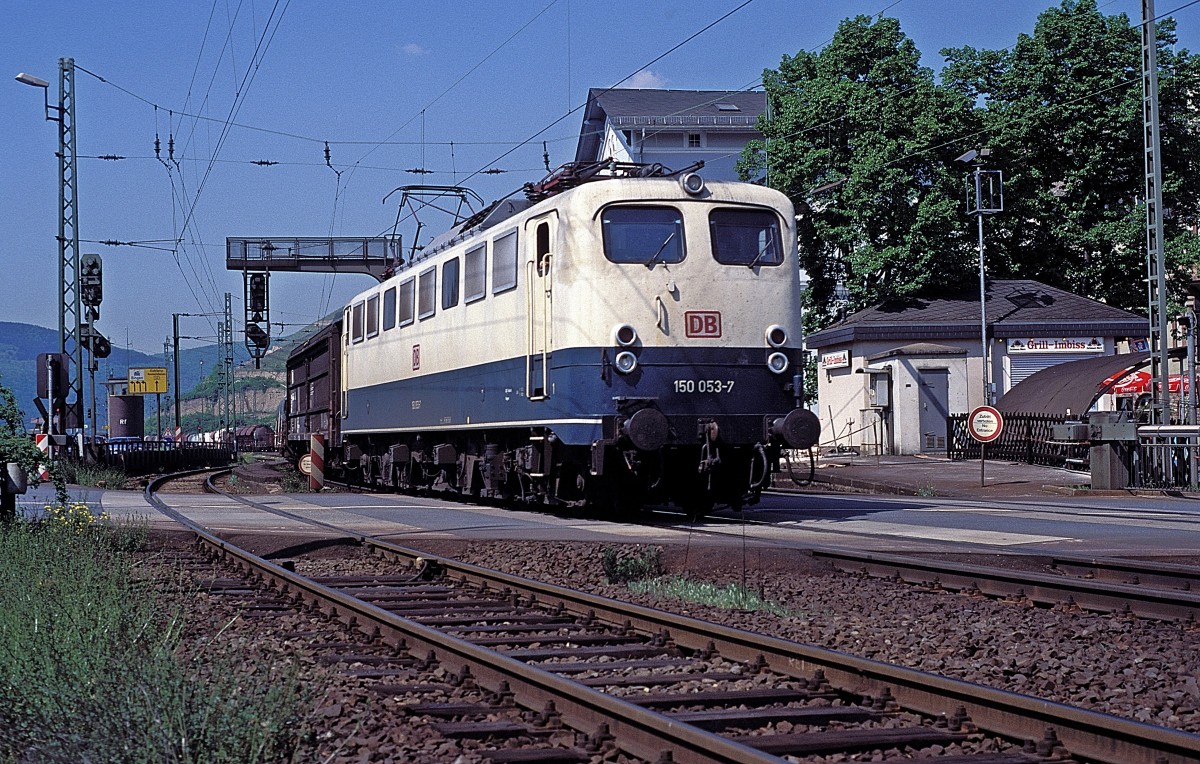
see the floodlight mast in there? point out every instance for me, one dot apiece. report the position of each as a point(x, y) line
point(70, 317)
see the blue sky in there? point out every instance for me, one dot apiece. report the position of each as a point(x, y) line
point(391, 85)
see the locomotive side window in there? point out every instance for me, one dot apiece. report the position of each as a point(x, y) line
point(356, 322)
point(543, 248)
point(408, 292)
point(373, 315)
point(389, 309)
point(450, 283)
point(504, 263)
point(745, 237)
point(643, 235)
point(427, 293)
point(475, 271)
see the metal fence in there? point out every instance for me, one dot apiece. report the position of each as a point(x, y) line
point(1165, 457)
point(1025, 438)
point(154, 456)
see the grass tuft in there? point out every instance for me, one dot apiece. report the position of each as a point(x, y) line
point(728, 596)
point(77, 473)
point(632, 566)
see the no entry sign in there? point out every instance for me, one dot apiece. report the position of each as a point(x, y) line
point(985, 424)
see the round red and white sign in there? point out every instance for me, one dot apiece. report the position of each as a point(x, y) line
point(985, 424)
point(305, 464)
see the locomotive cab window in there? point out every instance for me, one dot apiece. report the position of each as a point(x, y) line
point(389, 309)
point(450, 283)
point(427, 293)
point(408, 293)
point(475, 271)
point(745, 237)
point(643, 235)
point(373, 315)
point(356, 322)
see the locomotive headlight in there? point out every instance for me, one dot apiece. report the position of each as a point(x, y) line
point(776, 362)
point(624, 335)
point(625, 362)
point(777, 336)
point(692, 184)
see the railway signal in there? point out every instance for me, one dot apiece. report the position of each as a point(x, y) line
point(91, 285)
point(258, 309)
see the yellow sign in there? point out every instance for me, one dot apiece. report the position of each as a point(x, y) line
point(146, 381)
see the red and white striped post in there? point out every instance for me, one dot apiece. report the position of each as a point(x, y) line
point(43, 443)
point(316, 451)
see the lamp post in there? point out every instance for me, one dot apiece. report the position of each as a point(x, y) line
point(985, 196)
point(69, 315)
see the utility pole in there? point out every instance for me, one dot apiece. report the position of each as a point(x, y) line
point(69, 317)
point(985, 196)
point(1156, 269)
point(226, 361)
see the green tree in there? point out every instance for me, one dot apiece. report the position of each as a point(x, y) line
point(859, 118)
point(16, 446)
point(1062, 111)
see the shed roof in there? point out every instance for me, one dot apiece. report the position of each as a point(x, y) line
point(1015, 308)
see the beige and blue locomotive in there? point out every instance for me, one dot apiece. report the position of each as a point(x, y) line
point(619, 341)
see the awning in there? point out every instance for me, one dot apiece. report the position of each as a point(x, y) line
point(1069, 387)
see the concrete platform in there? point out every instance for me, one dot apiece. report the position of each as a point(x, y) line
point(932, 476)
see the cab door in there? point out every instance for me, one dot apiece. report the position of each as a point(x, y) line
point(540, 235)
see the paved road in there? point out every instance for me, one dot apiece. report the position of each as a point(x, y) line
point(1085, 525)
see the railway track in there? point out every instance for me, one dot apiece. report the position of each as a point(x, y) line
point(649, 682)
point(1142, 588)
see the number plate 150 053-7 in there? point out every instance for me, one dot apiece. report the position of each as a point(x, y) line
point(703, 385)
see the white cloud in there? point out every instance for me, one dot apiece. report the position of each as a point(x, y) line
point(413, 49)
point(645, 79)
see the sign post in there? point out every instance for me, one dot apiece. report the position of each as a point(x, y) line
point(985, 425)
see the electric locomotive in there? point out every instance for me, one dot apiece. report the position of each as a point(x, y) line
point(622, 336)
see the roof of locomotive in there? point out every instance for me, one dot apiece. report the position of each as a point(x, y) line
point(655, 186)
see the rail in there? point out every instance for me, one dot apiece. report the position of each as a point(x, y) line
point(1088, 735)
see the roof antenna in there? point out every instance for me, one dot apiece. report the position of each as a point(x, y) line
point(546, 156)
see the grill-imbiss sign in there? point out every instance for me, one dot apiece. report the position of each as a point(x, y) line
point(838, 360)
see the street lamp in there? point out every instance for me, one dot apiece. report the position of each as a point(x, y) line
point(985, 196)
point(70, 332)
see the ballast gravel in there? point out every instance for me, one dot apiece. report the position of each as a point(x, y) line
point(1135, 668)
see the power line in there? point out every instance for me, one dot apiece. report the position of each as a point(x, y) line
point(653, 61)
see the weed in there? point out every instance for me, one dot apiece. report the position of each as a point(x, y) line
point(729, 596)
point(927, 489)
point(622, 569)
point(78, 473)
point(81, 640)
point(293, 482)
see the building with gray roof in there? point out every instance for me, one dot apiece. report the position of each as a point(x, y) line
point(889, 375)
point(673, 127)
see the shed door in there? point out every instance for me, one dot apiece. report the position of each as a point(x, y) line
point(935, 407)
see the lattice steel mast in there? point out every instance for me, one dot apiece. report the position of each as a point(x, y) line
point(1156, 269)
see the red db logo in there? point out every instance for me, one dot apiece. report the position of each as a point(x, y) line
point(702, 323)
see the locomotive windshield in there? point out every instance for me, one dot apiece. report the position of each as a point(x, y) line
point(644, 235)
point(745, 237)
